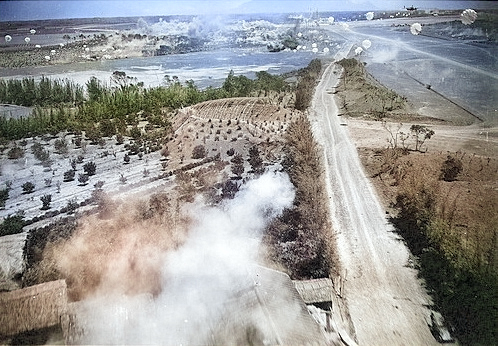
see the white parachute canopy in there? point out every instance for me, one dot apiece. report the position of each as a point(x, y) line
point(47, 57)
point(415, 28)
point(468, 16)
point(314, 45)
point(27, 39)
point(358, 50)
point(8, 38)
point(326, 50)
point(331, 20)
point(32, 31)
point(369, 15)
point(315, 50)
point(366, 44)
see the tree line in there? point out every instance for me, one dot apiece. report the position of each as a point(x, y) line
point(110, 108)
point(45, 92)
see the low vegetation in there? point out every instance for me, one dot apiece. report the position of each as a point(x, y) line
point(301, 238)
point(361, 95)
point(445, 209)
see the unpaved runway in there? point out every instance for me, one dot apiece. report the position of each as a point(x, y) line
point(385, 299)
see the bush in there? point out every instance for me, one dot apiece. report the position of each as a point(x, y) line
point(12, 224)
point(46, 199)
point(15, 153)
point(89, 168)
point(69, 175)
point(83, 179)
point(199, 152)
point(4, 196)
point(28, 187)
point(450, 169)
point(60, 146)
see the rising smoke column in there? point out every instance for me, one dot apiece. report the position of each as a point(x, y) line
point(198, 278)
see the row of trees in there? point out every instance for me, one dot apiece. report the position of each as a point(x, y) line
point(108, 110)
point(300, 239)
point(45, 92)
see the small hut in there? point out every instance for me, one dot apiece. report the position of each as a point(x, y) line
point(32, 308)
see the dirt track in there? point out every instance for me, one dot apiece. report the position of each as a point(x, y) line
point(386, 301)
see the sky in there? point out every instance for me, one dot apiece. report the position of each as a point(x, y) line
point(12, 10)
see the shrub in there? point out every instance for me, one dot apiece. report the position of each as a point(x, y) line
point(450, 169)
point(12, 224)
point(46, 199)
point(15, 153)
point(71, 206)
point(60, 146)
point(135, 132)
point(126, 159)
point(4, 195)
point(28, 187)
point(69, 175)
point(83, 179)
point(199, 152)
point(89, 168)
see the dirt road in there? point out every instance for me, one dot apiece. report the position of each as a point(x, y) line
point(386, 301)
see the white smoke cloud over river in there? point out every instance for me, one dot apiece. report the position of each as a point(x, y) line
point(197, 278)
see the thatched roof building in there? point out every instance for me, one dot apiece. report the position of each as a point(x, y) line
point(32, 308)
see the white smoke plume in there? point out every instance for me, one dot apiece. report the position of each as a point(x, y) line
point(198, 278)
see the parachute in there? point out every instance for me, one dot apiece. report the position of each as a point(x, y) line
point(8, 38)
point(32, 31)
point(27, 40)
point(358, 50)
point(366, 44)
point(468, 16)
point(326, 50)
point(415, 28)
point(369, 15)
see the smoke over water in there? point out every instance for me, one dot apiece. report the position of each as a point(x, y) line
point(197, 278)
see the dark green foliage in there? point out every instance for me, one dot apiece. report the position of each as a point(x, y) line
point(108, 111)
point(298, 239)
point(450, 169)
point(40, 153)
point(90, 168)
point(4, 196)
point(60, 146)
point(464, 290)
point(229, 189)
point(46, 199)
point(126, 159)
point(255, 160)
point(28, 187)
point(12, 224)
point(15, 153)
point(199, 152)
point(83, 179)
point(69, 175)
point(46, 92)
